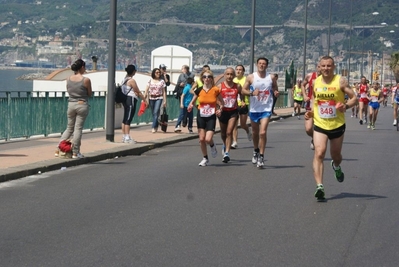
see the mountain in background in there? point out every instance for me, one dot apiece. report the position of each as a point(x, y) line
point(220, 44)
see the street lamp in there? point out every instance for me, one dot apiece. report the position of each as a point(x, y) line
point(251, 68)
point(305, 40)
point(364, 14)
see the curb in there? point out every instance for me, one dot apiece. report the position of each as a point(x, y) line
point(18, 172)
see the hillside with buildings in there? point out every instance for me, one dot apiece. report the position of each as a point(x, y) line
point(216, 31)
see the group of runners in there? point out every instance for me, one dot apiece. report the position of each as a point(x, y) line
point(326, 95)
point(370, 98)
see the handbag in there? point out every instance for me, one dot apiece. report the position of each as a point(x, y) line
point(163, 120)
point(143, 107)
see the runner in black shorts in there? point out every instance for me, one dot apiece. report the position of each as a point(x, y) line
point(229, 91)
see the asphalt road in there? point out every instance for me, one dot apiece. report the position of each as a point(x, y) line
point(161, 209)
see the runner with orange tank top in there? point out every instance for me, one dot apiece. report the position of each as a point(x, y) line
point(209, 106)
point(228, 119)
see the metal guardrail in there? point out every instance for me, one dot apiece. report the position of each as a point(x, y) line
point(27, 114)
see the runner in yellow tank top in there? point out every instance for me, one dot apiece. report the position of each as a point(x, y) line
point(329, 120)
point(375, 98)
point(243, 108)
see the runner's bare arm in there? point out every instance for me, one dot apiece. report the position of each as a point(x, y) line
point(248, 82)
point(352, 100)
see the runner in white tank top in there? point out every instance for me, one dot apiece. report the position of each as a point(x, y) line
point(260, 86)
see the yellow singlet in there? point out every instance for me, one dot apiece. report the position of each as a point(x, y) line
point(242, 82)
point(326, 116)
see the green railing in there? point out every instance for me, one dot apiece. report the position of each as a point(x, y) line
point(26, 114)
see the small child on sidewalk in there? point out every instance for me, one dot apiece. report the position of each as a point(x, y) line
point(185, 100)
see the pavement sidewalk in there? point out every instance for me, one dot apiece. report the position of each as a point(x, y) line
point(36, 155)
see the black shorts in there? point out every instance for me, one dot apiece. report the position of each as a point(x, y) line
point(207, 123)
point(243, 110)
point(299, 102)
point(227, 115)
point(331, 134)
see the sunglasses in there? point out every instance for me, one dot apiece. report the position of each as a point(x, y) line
point(207, 76)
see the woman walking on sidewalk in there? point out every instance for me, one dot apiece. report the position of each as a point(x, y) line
point(156, 94)
point(132, 91)
point(79, 90)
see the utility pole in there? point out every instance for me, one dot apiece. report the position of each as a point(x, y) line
point(110, 105)
point(305, 40)
point(251, 67)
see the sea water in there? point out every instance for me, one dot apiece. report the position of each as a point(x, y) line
point(10, 83)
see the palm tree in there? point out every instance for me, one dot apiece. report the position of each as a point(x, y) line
point(394, 65)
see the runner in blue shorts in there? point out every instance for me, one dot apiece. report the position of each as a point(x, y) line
point(260, 86)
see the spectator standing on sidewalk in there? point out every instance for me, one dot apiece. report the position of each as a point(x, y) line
point(79, 90)
point(185, 100)
point(133, 92)
point(274, 98)
point(156, 95)
point(164, 76)
point(181, 81)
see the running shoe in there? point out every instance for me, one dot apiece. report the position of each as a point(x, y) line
point(373, 127)
point(293, 114)
point(255, 157)
point(299, 117)
point(394, 122)
point(57, 153)
point(260, 162)
point(190, 131)
point(226, 157)
point(319, 194)
point(339, 175)
point(249, 134)
point(204, 162)
point(365, 120)
point(352, 116)
point(234, 145)
point(361, 122)
point(214, 152)
point(369, 126)
point(311, 145)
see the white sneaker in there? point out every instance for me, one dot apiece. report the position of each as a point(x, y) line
point(394, 122)
point(311, 145)
point(203, 162)
point(255, 157)
point(249, 134)
point(214, 151)
point(234, 145)
point(129, 140)
point(260, 162)
point(293, 114)
point(77, 156)
point(299, 117)
point(177, 129)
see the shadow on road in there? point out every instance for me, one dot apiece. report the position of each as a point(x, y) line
point(351, 195)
